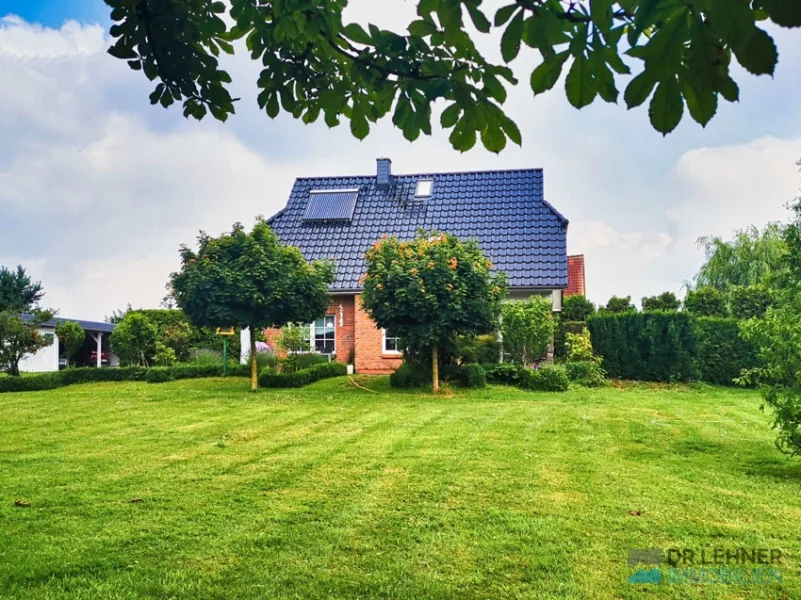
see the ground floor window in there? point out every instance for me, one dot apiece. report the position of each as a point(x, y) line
point(323, 334)
point(392, 343)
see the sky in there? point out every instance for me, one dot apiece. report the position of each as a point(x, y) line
point(98, 189)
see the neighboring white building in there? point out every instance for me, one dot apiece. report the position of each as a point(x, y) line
point(96, 350)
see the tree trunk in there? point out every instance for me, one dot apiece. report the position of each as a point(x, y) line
point(254, 373)
point(435, 367)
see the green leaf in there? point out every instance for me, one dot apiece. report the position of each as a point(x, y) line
point(463, 137)
point(601, 14)
point(359, 126)
point(422, 28)
point(121, 50)
point(639, 89)
point(493, 138)
point(667, 106)
point(510, 41)
point(732, 20)
point(729, 89)
point(356, 33)
point(494, 88)
point(759, 55)
point(450, 116)
point(580, 85)
point(511, 130)
point(786, 13)
point(545, 76)
point(273, 108)
point(504, 14)
point(479, 20)
point(702, 106)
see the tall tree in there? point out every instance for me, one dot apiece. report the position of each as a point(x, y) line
point(619, 304)
point(20, 318)
point(17, 291)
point(250, 280)
point(664, 301)
point(314, 63)
point(749, 258)
point(778, 337)
point(576, 308)
point(431, 288)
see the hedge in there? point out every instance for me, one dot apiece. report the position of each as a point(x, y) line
point(722, 353)
point(49, 381)
point(653, 346)
point(663, 346)
point(270, 379)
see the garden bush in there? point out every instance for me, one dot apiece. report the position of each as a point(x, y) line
point(653, 346)
point(562, 328)
point(159, 375)
point(548, 378)
point(408, 376)
point(587, 373)
point(466, 376)
point(33, 383)
point(269, 378)
point(505, 373)
point(295, 362)
point(722, 353)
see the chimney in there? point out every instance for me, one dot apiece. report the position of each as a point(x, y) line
point(383, 173)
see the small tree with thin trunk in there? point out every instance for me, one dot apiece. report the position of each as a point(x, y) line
point(70, 337)
point(134, 340)
point(430, 289)
point(250, 280)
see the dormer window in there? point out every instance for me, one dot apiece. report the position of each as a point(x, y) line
point(424, 188)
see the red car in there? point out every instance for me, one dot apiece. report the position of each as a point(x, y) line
point(104, 360)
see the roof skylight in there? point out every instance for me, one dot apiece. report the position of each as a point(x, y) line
point(424, 188)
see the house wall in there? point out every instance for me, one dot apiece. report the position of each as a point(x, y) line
point(46, 359)
point(370, 356)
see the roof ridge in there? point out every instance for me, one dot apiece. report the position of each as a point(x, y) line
point(478, 172)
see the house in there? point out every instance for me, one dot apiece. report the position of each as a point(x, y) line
point(94, 352)
point(340, 217)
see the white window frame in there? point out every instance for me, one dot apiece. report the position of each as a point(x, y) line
point(384, 344)
point(313, 335)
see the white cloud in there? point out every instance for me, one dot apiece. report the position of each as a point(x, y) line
point(22, 40)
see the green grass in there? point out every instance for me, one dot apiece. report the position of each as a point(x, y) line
point(335, 492)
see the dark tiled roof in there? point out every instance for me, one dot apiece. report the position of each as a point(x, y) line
point(87, 325)
point(505, 211)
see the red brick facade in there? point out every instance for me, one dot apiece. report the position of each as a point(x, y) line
point(354, 331)
point(576, 280)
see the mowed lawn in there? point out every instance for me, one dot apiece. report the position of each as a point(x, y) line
point(198, 489)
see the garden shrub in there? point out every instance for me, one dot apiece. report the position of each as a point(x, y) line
point(295, 362)
point(408, 376)
point(576, 308)
point(269, 378)
point(653, 346)
point(579, 347)
point(467, 376)
point(528, 328)
point(722, 353)
point(505, 373)
point(706, 302)
point(562, 328)
point(164, 356)
point(479, 349)
point(548, 378)
point(159, 375)
point(587, 373)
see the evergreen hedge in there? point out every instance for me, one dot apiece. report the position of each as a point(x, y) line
point(722, 353)
point(670, 346)
point(653, 346)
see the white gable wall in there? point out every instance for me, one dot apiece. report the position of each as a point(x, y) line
point(44, 360)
